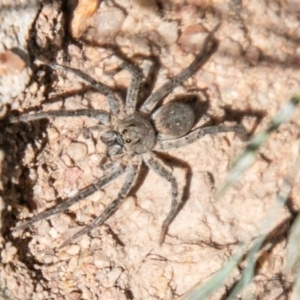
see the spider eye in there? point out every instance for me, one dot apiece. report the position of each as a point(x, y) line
point(125, 131)
point(128, 141)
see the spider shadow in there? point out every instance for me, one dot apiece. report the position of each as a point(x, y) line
point(144, 170)
point(148, 82)
point(172, 162)
point(17, 183)
point(62, 97)
point(147, 86)
point(237, 115)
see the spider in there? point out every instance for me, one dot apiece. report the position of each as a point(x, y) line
point(133, 137)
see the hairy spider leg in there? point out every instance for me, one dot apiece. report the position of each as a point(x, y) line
point(165, 145)
point(117, 170)
point(101, 115)
point(113, 102)
point(209, 47)
point(133, 90)
point(131, 175)
point(159, 168)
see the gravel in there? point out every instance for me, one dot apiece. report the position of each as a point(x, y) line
point(253, 73)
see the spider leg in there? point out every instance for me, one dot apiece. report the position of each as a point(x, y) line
point(116, 172)
point(132, 172)
point(101, 115)
point(158, 167)
point(209, 47)
point(113, 102)
point(133, 90)
point(198, 133)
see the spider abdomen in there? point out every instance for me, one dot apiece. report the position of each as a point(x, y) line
point(173, 120)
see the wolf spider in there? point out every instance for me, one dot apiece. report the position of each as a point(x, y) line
point(137, 135)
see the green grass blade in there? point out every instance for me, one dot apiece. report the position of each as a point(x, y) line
point(247, 157)
point(267, 225)
point(203, 290)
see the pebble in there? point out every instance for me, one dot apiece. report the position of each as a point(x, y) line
point(101, 261)
point(169, 31)
point(192, 38)
point(11, 63)
point(73, 249)
point(81, 15)
point(77, 151)
point(108, 24)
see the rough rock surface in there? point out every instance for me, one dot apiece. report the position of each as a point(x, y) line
point(253, 73)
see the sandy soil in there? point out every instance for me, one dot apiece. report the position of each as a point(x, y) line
point(253, 73)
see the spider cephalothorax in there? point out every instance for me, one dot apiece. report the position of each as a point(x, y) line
point(139, 134)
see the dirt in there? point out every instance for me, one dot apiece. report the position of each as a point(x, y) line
point(251, 76)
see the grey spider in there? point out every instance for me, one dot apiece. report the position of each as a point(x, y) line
point(137, 135)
